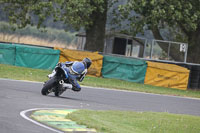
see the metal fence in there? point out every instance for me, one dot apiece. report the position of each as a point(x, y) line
point(165, 50)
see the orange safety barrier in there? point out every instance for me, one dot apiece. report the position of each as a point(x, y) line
point(76, 55)
point(167, 75)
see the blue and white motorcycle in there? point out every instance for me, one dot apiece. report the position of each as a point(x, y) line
point(65, 76)
point(58, 81)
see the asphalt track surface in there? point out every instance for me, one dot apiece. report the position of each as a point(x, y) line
point(17, 96)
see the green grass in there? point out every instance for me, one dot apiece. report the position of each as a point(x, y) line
point(136, 122)
point(21, 73)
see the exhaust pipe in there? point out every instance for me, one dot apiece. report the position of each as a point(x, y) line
point(65, 85)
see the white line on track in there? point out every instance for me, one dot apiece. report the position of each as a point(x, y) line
point(20, 80)
point(23, 114)
point(98, 88)
point(54, 105)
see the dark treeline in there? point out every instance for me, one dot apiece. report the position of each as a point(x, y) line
point(53, 31)
point(49, 22)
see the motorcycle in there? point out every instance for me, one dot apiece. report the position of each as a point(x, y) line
point(58, 81)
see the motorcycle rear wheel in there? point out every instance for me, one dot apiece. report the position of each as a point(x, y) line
point(48, 86)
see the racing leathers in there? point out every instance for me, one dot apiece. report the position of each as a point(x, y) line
point(74, 77)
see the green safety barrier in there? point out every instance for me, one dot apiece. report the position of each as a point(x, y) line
point(124, 68)
point(35, 57)
point(29, 56)
point(7, 54)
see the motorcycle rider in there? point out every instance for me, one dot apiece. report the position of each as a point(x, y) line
point(76, 71)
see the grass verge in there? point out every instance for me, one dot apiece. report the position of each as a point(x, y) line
point(21, 73)
point(136, 122)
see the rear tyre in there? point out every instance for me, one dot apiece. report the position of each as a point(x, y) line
point(48, 86)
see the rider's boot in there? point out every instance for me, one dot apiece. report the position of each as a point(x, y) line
point(52, 74)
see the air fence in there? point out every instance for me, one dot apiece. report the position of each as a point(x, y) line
point(124, 68)
point(28, 56)
point(169, 52)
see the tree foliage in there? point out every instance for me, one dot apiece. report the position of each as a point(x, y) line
point(179, 15)
point(76, 13)
point(23, 12)
point(185, 14)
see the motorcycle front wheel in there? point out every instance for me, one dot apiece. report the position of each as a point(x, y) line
point(49, 85)
point(57, 93)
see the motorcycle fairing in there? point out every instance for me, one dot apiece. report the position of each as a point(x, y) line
point(65, 70)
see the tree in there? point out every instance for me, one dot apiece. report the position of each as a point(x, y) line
point(179, 15)
point(88, 14)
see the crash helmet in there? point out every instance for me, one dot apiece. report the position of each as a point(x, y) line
point(77, 68)
point(87, 62)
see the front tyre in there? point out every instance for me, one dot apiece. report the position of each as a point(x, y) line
point(48, 86)
point(57, 93)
